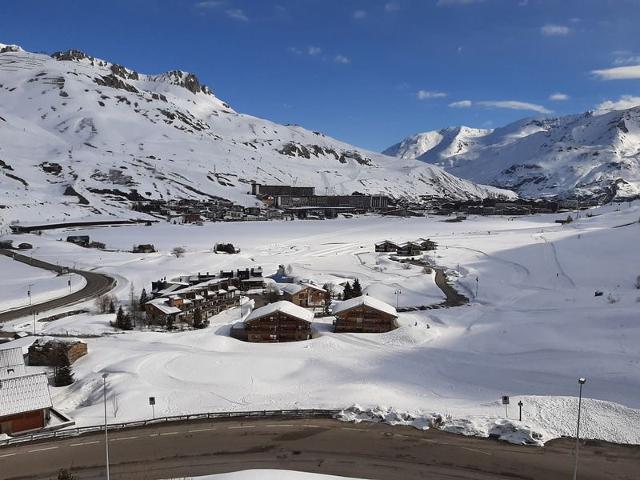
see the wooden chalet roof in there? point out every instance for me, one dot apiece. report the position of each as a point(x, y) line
point(367, 301)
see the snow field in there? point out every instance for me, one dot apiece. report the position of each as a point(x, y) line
point(533, 329)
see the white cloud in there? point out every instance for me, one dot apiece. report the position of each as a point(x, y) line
point(558, 97)
point(508, 104)
point(618, 73)
point(523, 3)
point(391, 7)
point(294, 50)
point(209, 4)
point(452, 3)
point(462, 104)
point(359, 14)
point(341, 59)
point(551, 30)
point(427, 94)
point(623, 103)
point(627, 60)
point(237, 14)
point(313, 51)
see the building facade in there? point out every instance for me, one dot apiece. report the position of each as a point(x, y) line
point(364, 315)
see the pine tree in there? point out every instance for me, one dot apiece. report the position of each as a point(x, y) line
point(126, 322)
point(112, 306)
point(63, 375)
point(119, 317)
point(143, 299)
point(357, 289)
point(348, 292)
point(198, 321)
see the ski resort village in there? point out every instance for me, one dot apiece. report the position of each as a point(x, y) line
point(192, 292)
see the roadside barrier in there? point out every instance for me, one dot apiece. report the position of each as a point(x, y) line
point(76, 432)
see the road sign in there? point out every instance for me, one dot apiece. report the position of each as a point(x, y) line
point(505, 400)
point(152, 401)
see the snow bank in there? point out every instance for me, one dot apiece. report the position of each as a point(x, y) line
point(269, 475)
point(548, 418)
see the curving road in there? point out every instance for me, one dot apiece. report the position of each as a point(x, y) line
point(97, 284)
point(368, 450)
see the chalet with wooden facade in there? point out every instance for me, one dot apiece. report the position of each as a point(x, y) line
point(276, 322)
point(409, 249)
point(52, 352)
point(386, 246)
point(364, 314)
point(179, 304)
point(305, 295)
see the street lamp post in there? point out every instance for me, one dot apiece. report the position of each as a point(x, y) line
point(398, 293)
point(29, 292)
point(106, 435)
point(581, 382)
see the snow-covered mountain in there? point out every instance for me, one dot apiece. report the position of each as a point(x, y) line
point(80, 136)
point(596, 154)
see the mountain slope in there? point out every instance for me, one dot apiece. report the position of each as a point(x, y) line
point(105, 135)
point(593, 155)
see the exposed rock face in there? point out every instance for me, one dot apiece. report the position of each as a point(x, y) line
point(115, 82)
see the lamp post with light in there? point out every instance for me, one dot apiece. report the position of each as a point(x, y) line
point(106, 435)
point(581, 382)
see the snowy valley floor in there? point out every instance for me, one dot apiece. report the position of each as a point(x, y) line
point(534, 327)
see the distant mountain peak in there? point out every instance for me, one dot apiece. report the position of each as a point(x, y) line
point(593, 154)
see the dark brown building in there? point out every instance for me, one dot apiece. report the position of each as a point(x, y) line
point(386, 246)
point(364, 315)
point(49, 352)
point(278, 322)
point(304, 295)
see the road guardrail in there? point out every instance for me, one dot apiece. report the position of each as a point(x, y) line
point(78, 431)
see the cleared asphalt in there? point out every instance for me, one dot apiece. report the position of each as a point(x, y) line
point(372, 451)
point(97, 284)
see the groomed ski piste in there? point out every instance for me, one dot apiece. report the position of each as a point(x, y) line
point(532, 327)
point(268, 475)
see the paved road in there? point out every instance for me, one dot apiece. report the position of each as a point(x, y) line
point(372, 451)
point(97, 284)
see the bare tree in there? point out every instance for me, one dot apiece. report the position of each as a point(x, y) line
point(178, 252)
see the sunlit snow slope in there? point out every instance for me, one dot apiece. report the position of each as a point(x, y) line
point(595, 155)
point(107, 135)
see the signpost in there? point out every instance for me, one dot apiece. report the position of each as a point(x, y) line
point(520, 405)
point(152, 402)
point(505, 402)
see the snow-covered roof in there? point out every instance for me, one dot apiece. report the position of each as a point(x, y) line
point(161, 304)
point(365, 300)
point(11, 357)
point(24, 394)
point(293, 288)
point(11, 362)
point(283, 306)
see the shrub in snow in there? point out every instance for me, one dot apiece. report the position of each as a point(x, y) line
point(178, 252)
point(65, 474)
point(611, 298)
point(638, 282)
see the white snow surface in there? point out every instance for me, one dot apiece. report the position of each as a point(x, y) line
point(270, 475)
point(534, 327)
point(365, 300)
point(588, 155)
point(107, 131)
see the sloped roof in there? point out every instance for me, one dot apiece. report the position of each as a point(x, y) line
point(282, 306)
point(24, 394)
point(293, 288)
point(365, 300)
point(11, 357)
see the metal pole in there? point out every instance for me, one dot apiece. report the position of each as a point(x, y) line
point(581, 381)
point(106, 436)
point(520, 405)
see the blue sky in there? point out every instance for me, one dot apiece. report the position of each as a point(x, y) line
point(365, 71)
